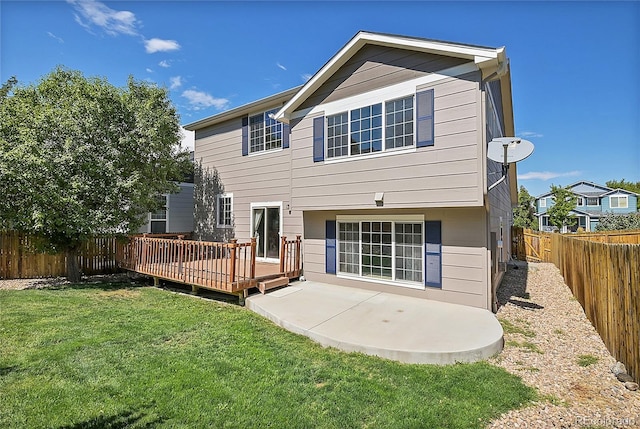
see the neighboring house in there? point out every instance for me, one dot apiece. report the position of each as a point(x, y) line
point(593, 201)
point(175, 215)
point(379, 162)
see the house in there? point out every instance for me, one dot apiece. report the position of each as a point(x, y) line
point(379, 163)
point(175, 214)
point(593, 201)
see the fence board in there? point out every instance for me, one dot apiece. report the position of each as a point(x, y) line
point(18, 260)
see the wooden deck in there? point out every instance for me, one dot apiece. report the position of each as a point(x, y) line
point(223, 267)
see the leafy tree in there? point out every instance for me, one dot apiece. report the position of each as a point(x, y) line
point(618, 221)
point(563, 202)
point(80, 157)
point(524, 213)
point(628, 186)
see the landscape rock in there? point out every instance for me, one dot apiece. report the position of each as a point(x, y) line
point(618, 368)
point(631, 386)
point(624, 377)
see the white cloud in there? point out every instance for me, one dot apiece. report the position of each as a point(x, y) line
point(164, 63)
point(53, 36)
point(547, 175)
point(149, 70)
point(199, 100)
point(281, 66)
point(305, 77)
point(113, 22)
point(175, 82)
point(160, 45)
point(529, 134)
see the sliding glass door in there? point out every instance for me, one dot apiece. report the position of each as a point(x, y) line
point(265, 224)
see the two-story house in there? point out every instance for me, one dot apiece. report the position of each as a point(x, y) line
point(592, 202)
point(379, 163)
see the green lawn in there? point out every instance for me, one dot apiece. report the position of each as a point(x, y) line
point(115, 356)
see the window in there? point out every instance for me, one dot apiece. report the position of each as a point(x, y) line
point(224, 211)
point(265, 133)
point(580, 201)
point(593, 201)
point(159, 217)
point(399, 123)
point(361, 130)
point(543, 202)
point(618, 201)
point(382, 250)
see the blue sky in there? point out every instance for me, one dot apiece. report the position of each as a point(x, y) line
point(575, 65)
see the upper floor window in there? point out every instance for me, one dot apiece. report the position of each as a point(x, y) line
point(618, 201)
point(580, 201)
point(367, 128)
point(265, 133)
point(593, 201)
point(543, 202)
point(224, 210)
point(159, 217)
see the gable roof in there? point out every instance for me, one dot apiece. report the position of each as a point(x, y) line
point(483, 57)
point(604, 190)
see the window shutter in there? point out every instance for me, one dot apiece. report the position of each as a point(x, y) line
point(330, 247)
point(285, 136)
point(245, 136)
point(433, 253)
point(318, 140)
point(424, 116)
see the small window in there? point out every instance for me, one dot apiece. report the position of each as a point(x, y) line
point(366, 129)
point(224, 210)
point(265, 133)
point(618, 201)
point(159, 217)
point(593, 201)
point(399, 123)
point(337, 135)
point(543, 202)
point(580, 201)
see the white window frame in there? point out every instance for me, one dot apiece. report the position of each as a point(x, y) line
point(618, 198)
point(543, 202)
point(265, 117)
point(381, 218)
point(384, 150)
point(166, 215)
point(218, 211)
point(266, 205)
point(579, 201)
point(593, 198)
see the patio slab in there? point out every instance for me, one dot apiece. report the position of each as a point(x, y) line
point(410, 330)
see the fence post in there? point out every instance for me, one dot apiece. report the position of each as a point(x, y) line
point(283, 250)
point(298, 242)
point(232, 268)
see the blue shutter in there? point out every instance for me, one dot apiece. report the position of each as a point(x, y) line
point(245, 136)
point(285, 136)
point(318, 139)
point(330, 247)
point(433, 253)
point(424, 116)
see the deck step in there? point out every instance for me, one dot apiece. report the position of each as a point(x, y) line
point(265, 285)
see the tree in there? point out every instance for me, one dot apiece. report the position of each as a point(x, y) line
point(628, 186)
point(524, 213)
point(564, 201)
point(618, 221)
point(80, 157)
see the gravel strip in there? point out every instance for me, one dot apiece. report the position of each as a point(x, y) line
point(546, 334)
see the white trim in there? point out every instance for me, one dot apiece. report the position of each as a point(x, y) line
point(396, 283)
point(580, 201)
point(382, 218)
point(542, 202)
point(392, 92)
point(625, 197)
point(265, 205)
point(225, 195)
point(395, 151)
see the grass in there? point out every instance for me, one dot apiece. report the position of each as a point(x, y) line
point(111, 356)
point(527, 345)
point(511, 328)
point(586, 360)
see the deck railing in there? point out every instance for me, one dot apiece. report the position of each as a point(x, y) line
point(228, 267)
point(290, 263)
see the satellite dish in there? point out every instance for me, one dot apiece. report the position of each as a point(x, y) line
point(509, 149)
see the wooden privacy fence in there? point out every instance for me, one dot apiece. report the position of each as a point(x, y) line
point(604, 276)
point(18, 260)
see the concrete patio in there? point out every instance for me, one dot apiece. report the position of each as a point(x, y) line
point(405, 329)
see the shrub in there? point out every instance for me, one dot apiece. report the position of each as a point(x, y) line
point(616, 221)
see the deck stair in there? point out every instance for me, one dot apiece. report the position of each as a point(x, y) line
point(265, 285)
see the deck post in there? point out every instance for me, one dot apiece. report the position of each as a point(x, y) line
point(298, 264)
point(253, 258)
point(232, 267)
point(180, 255)
point(283, 250)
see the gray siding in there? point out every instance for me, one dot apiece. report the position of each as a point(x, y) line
point(448, 174)
point(464, 255)
point(180, 213)
point(261, 177)
point(375, 67)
